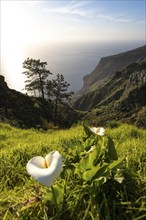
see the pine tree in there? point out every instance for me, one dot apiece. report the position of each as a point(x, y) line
point(56, 90)
point(37, 75)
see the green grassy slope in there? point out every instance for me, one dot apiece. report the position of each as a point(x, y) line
point(21, 197)
point(123, 98)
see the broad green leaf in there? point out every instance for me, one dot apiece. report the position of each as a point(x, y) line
point(97, 172)
point(105, 169)
point(116, 164)
point(88, 143)
point(87, 130)
point(59, 193)
point(112, 154)
point(94, 173)
point(88, 161)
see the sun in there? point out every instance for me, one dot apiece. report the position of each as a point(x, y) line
point(15, 37)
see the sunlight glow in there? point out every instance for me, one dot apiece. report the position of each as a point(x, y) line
point(16, 35)
point(27, 26)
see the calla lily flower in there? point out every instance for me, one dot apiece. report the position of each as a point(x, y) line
point(45, 170)
point(99, 130)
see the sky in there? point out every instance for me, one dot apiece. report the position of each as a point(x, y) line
point(30, 24)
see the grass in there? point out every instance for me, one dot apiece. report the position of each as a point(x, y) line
point(131, 143)
point(23, 198)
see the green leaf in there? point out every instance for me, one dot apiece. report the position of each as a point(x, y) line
point(80, 148)
point(87, 162)
point(97, 172)
point(94, 173)
point(87, 130)
point(112, 154)
point(59, 193)
point(88, 143)
point(116, 164)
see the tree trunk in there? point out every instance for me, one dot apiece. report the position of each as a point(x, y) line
point(55, 112)
point(41, 84)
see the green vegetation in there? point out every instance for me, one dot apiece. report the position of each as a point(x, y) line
point(54, 91)
point(106, 183)
point(26, 111)
point(121, 98)
point(36, 75)
point(50, 101)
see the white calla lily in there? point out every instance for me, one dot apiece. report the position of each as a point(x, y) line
point(98, 130)
point(45, 170)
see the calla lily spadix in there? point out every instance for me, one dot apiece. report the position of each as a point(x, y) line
point(99, 130)
point(45, 170)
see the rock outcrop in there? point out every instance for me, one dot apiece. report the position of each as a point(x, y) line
point(137, 78)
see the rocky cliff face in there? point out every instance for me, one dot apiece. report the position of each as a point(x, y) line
point(137, 78)
point(109, 65)
point(121, 98)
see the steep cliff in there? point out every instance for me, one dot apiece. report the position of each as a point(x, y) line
point(121, 98)
point(109, 65)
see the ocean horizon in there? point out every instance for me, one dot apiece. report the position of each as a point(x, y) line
point(73, 61)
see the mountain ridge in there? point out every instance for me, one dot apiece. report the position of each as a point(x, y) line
point(121, 97)
point(107, 67)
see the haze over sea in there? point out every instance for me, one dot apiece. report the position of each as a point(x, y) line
point(71, 36)
point(76, 60)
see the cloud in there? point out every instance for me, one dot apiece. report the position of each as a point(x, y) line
point(33, 3)
point(113, 19)
point(73, 8)
point(66, 10)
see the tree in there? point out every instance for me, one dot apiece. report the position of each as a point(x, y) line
point(56, 90)
point(37, 74)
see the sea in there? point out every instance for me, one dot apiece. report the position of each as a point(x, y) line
point(75, 60)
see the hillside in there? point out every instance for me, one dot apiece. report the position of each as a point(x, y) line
point(121, 98)
point(108, 66)
point(26, 111)
point(21, 110)
point(119, 189)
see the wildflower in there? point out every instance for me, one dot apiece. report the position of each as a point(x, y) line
point(99, 130)
point(45, 170)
